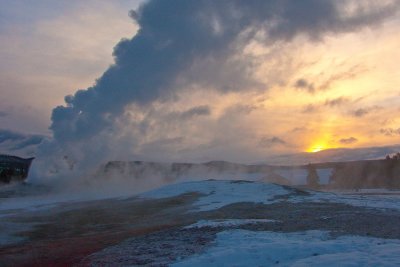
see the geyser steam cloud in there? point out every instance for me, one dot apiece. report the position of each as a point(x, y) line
point(173, 37)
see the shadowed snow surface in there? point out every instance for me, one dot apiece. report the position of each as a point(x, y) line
point(217, 194)
point(311, 248)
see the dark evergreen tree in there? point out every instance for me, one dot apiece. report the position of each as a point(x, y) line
point(312, 177)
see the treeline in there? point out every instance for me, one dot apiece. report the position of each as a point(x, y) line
point(367, 174)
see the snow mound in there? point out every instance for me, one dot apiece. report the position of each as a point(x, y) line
point(216, 194)
point(247, 248)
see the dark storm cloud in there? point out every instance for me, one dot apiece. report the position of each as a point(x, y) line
point(310, 108)
point(351, 73)
point(361, 112)
point(239, 109)
point(272, 141)
point(329, 103)
point(313, 87)
point(174, 37)
point(299, 129)
point(19, 140)
point(196, 111)
point(28, 141)
point(303, 84)
point(390, 131)
point(348, 141)
point(336, 101)
point(7, 135)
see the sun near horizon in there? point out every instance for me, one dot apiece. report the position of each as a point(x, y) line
point(317, 147)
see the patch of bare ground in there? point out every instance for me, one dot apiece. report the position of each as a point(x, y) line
point(155, 249)
point(165, 247)
point(66, 234)
point(340, 219)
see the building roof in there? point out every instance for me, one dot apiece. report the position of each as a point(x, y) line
point(14, 159)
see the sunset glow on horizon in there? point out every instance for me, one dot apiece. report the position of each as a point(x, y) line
point(316, 149)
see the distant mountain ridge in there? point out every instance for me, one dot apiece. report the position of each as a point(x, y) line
point(25, 145)
point(334, 155)
point(21, 144)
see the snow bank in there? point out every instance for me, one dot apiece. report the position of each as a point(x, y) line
point(217, 194)
point(311, 248)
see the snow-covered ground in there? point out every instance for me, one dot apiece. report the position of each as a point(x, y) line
point(239, 235)
point(216, 194)
point(380, 201)
point(226, 223)
point(310, 248)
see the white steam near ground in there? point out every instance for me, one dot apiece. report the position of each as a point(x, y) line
point(172, 93)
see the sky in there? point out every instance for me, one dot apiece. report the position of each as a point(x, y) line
point(203, 80)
